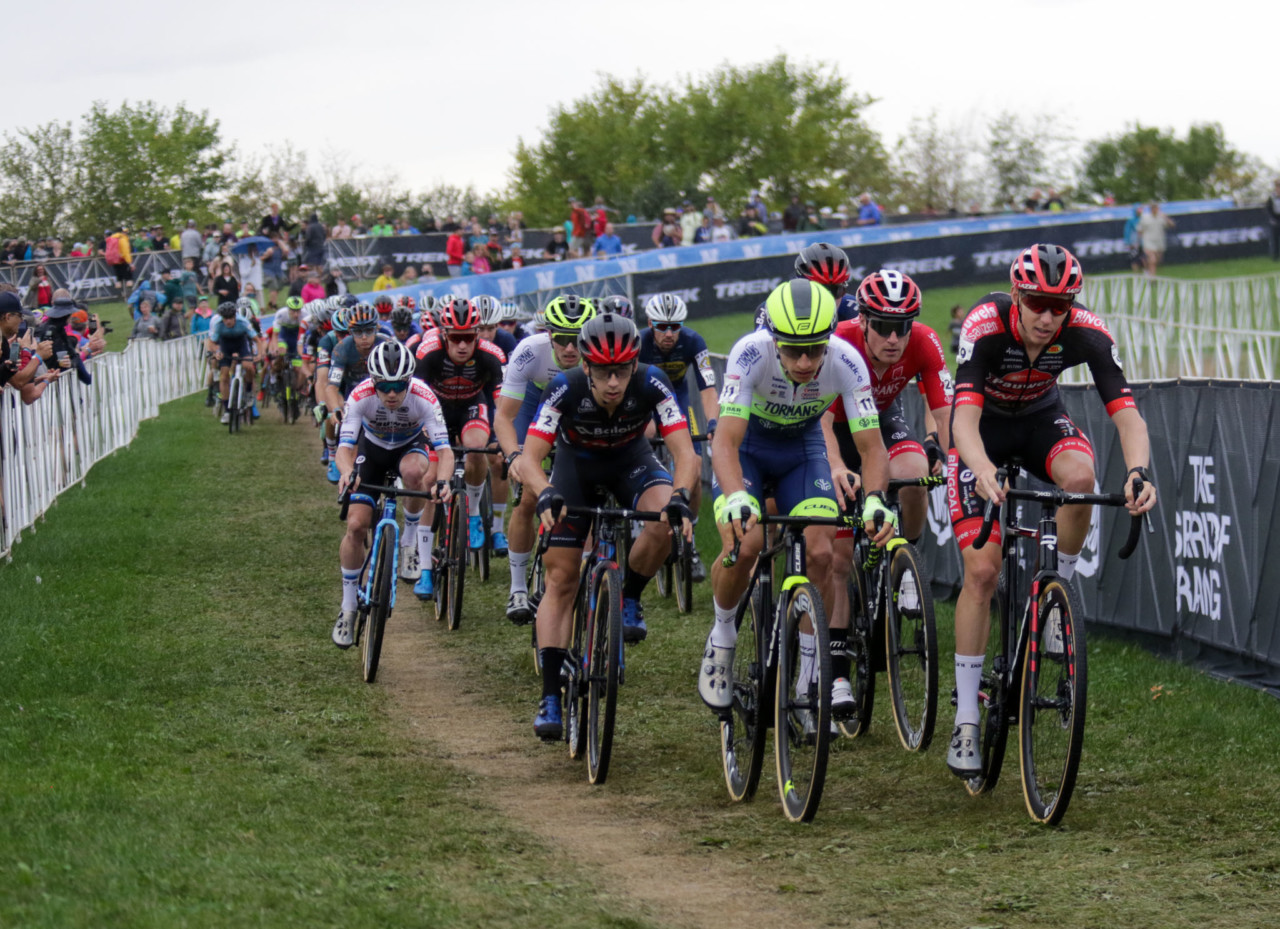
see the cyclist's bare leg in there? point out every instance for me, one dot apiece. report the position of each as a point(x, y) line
point(555, 612)
point(728, 584)
point(417, 472)
point(1073, 472)
point(351, 549)
point(911, 466)
point(841, 568)
point(224, 381)
point(249, 371)
point(652, 546)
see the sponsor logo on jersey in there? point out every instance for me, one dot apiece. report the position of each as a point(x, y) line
point(748, 357)
point(1054, 349)
point(822, 484)
point(795, 411)
point(1115, 355)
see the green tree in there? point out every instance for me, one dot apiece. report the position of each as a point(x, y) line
point(1022, 157)
point(1146, 163)
point(280, 175)
point(39, 177)
point(932, 167)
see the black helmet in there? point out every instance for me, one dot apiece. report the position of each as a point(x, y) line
point(402, 318)
point(619, 304)
point(227, 309)
point(608, 340)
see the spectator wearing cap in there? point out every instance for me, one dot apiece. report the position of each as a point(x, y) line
point(608, 245)
point(382, 227)
point(12, 372)
point(580, 229)
point(869, 212)
point(358, 227)
point(66, 355)
point(668, 232)
point(690, 220)
point(600, 217)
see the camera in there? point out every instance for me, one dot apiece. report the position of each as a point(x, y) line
point(63, 345)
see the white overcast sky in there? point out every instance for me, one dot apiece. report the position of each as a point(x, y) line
point(439, 92)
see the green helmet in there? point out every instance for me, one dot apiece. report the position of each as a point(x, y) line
point(293, 303)
point(567, 314)
point(801, 312)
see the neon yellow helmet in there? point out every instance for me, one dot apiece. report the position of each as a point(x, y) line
point(801, 312)
point(567, 314)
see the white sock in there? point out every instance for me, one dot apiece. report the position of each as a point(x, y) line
point(426, 541)
point(499, 511)
point(350, 586)
point(808, 671)
point(968, 680)
point(473, 499)
point(410, 536)
point(724, 632)
point(1067, 565)
point(519, 563)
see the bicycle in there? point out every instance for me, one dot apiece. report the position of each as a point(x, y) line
point(676, 574)
point(767, 666)
point(451, 551)
point(892, 629)
point(377, 592)
point(235, 406)
point(595, 667)
point(1037, 655)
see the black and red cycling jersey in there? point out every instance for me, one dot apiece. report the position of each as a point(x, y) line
point(571, 412)
point(922, 359)
point(480, 376)
point(996, 374)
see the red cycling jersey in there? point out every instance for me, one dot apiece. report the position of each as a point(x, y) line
point(921, 359)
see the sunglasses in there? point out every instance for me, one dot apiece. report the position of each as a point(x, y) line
point(565, 341)
point(391, 387)
point(1038, 303)
point(461, 338)
point(888, 327)
point(796, 352)
point(603, 374)
point(668, 327)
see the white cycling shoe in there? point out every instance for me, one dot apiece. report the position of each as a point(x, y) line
point(964, 756)
point(715, 676)
point(344, 630)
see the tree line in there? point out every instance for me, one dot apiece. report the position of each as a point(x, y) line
point(781, 128)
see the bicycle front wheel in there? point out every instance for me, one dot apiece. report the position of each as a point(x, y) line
point(486, 517)
point(573, 679)
point(456, 559)
point(803, 703)
point(911, 649)
point(995, 703)
point(743, 729)
point(234, 402)
point(384, 578)
point(683, 576)
point(1054, 685)
point(665, 578)
point(604, 661)
point(862, 669)
point(442, 525)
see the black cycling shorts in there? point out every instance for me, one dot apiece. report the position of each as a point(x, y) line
point(582, 478)
point(378, 465)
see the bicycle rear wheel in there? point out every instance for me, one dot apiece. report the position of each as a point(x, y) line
point(862, 671)
point(665, 578)
point(911, 650)
point(234, 401)
point(744, 727)
point(1052, 710)
point(604, 660)
point(683, 575)
point(442, 524)
point(573, 677)
point(456, 560)
point(384, 578)
point(803, 704)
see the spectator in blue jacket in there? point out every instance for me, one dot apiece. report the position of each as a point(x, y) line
point(869, 213)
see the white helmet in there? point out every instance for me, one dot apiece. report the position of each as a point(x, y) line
point(510, 311)
point(489, 308)
point(391, 361)
point(665, 308)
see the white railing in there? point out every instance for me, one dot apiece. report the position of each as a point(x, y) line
point(51, 444)
point(1166, 328)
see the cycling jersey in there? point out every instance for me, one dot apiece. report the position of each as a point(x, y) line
point(419, 413)
point(758, 390)
point(220, 330)
point(690, 351)
point(995, 372)
point(477, 377)
point(505, 341)
point(347, 367)
point(284, 331)
point(571, 412)
point(324, 346)
point(922, 359)
point(528, 371)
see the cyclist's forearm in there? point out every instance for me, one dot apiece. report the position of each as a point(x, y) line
point(710, 404)
point(1134, 442)
point(535, 450)
point(724, 460)
point(875, 459)
point(967, 439)
point(941, 426)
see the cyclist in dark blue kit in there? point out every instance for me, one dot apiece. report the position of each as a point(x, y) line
point(668, 344)
point(230, 335)
point(596, 415)
point(491, 314)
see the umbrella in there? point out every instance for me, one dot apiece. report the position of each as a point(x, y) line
point(263, 243)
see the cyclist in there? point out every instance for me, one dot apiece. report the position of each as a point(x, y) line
point(778, 383)
point(403, 327)
point(490, 315)
point(511, 323)
point(596, 416)
point(618, 304)
point(1013, 347)
point(325, 344)
point(829, 266)
point(384, 305)
point(392, 425)
point(230, 335)
point(675, 348)
point(283, 341)
point(347, 366)
point(537, 360)
point(490, 323)
point(247, 309)
point(465, 372)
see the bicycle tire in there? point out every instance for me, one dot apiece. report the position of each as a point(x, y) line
point(456, 562)
point(683, 570)
point(993, 706)
point(665, 578)
point(486, 518)
point(574, 704)
point(384, 578)
point(744, 729)
point(440, 560)
point(861, 643)
point(911, 650)
point(1052, 704)
point(234, 397)
point(802, 723)
point(604, 662)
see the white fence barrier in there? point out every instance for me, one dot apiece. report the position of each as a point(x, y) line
point(51, 444)
point(1227, 329)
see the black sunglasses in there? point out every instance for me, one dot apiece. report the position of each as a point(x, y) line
point(668, 327)
point(564, 341)
point(888, 327)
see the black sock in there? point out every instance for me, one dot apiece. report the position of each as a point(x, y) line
point(634, 585)
point(916, 540)
point(552, 663)
point(838, 649)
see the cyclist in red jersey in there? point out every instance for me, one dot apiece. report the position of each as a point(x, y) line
point(1013, 347)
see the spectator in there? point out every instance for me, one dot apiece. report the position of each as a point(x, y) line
point(201, 320)
point(226, 288)
point(298, 276)
point(761, 208)
point(40, 290)
point(65, 343)
point(212, 248)
point(174, 317)
point(273, 273)
point(608, 245)
point(334, 283)
point(668, 232)
point(244, 231)
point(146, 326)
point(869, 212)
point(690, 220)
point(189, 280)
point(1134, 241)
point(410, 276)
point(1273, 216)
point(382, 227)
point(273, 224)
point(11, 372)
point(450, 224)
point(313, 242)
point(454, 246)
point(557, 249)
point(341, 230)
point(812, 218)
point(493, 250)
point(480, 261)
point(403, 227)
point(1032, 203)
point(251, 269)
point(312, 289)
point(517, 257)
point(750, 224)
point(386, 280)
point(357, 227)
point(1054, 203)
point(793, 215)
point(228, 234)
point(477, 237)
point(515, 227)
point(712, 208)
point(191, 242)
point(427, 275)
point(468, 257)
point(600, 217)
point(119, 256)
point(720, 230)
point(702, 234)
point(1152, 231)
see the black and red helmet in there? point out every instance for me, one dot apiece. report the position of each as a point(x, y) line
point(456, 313)
point(383, 304)
point(1047, 269)
point(609, 339)
point(889, 294)
point(824, 264)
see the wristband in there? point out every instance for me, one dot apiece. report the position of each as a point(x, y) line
point(1140, 471)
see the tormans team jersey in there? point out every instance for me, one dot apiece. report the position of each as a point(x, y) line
point(756, 388)
point(455, 383)
point(690, 351)
point(570, 411)
point(922, 359)
point(995, 372)
point(418, 413)
point(532, 365)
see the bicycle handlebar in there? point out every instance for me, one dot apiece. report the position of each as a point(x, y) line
point(345, 499)
point(765, 519)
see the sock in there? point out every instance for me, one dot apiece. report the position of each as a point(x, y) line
point(331, 443)
point(724, 632)
point(838, 648)
point(968, 680)
point(1067, 565)
point(473, 499)
point(499, 511)
point(410, 536)
point(426, 541)
point(519, 564)
point(552, 662)
point(350, 584)
point(808, 652)
point(634, 585)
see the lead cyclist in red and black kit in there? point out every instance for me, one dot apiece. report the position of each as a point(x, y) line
point(1013, 347)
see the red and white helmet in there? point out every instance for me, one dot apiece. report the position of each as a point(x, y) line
point(889, 294)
